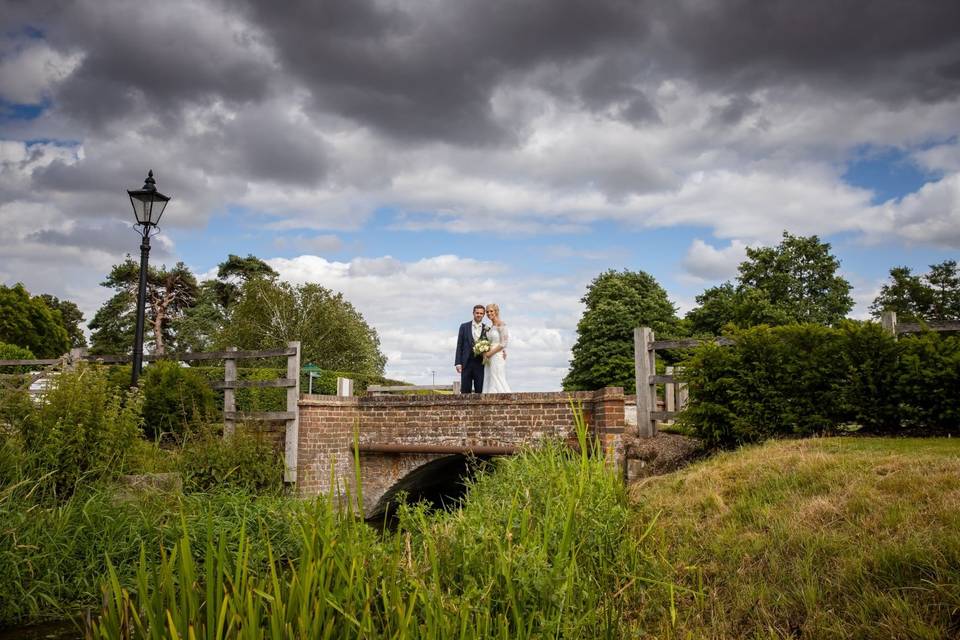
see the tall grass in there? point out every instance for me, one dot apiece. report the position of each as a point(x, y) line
point(53, 553)
point(541, 548)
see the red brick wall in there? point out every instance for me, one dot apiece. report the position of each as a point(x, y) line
point(327, 425)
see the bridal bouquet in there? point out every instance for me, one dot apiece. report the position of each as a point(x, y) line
point(481, 347)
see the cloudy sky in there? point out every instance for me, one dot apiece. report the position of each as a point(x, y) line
point(425, 155)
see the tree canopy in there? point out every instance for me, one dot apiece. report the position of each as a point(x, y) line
point(332, 333)
point(71, 316)
point(794, 282)
point(170, 292)
point(932, 297)
point(616, 302)
point(29, 323)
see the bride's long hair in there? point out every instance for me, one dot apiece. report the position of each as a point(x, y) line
point(495, 308)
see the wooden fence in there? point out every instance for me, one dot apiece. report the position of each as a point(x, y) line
point(230, 384)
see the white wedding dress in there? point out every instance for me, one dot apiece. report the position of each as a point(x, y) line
point(495, 370)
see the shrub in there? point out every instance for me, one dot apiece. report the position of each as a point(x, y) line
point(80, 428)
point(175, 400)
point(802, 380)
point(243, 461)
point(928, 381)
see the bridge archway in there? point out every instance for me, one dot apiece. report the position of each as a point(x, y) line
point(440, 482)
point(403, 440)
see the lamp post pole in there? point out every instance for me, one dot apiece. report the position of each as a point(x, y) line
point(141, 307)
point(148, 205)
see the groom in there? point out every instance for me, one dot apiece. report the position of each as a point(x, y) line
point(469, 366)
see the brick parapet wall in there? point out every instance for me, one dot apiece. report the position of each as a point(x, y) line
point(327, 425)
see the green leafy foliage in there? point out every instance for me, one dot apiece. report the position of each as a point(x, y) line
point(932, 297)
point(794, 282)
point(170, 292)
point(244, 461)
point(29, 323)
point(332, 333)
point(617, 302)
point(80, 430)
point(802, 380)
point(928, 379)
point(176, 400)
point(515, 562)
point(71, 317)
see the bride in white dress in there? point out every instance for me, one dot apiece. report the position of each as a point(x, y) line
point(494, 362)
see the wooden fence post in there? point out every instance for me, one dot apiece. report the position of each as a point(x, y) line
point(670, 393)
point(76, 355)
point(888, 320)
point(293, 405)
point(683, 396)
point(229, 395)
point(344, 387)
point(644, 366)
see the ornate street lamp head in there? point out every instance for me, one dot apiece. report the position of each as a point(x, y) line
point(148, 203)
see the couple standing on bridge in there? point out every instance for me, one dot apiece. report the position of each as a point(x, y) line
point(481, 357)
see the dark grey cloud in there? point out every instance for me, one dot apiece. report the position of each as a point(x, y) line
point(428, 70)
point(889, 50)
point(153, 60)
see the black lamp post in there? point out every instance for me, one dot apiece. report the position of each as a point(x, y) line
point(148, 205)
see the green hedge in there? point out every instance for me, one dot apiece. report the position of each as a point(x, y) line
point(803, 380)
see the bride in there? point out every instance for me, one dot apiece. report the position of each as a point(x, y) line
point(494, 363)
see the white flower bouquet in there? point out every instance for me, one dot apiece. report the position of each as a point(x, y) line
point(481, 347)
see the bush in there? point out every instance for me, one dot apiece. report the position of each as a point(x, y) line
point(243, 461)
point(928, 381)
point(803, 380)
point(80, 428)
point(176, 400)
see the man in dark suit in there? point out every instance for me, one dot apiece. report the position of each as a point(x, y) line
point(470, 366)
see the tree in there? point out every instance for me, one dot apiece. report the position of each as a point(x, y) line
point(794, 282)
point(616, 302)
point(197, 328)
point(933, 297)
point(28, 322)
point(332, 333)
point(170, 292)
point(233, 272)
point(72, 318)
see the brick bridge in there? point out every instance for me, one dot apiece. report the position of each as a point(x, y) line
point(406, 442)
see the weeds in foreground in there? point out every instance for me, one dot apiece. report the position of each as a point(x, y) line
point(541, 547)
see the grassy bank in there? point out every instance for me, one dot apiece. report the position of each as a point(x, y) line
point(827, 538)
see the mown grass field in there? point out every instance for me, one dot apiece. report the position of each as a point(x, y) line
point(822, 538)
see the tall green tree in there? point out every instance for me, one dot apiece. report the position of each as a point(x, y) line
point(794, 282)
point(72, 318)
point(199, 325)
point(616, 303)
point(332, 333)
point(170, 292)
point(233, 272)
point(932, 297)
point(28, 322)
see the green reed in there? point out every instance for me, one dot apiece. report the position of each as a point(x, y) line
point(540, 548)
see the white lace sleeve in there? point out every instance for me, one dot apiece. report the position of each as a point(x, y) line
point(504, 335)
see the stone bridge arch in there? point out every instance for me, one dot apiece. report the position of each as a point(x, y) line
point(397, 435)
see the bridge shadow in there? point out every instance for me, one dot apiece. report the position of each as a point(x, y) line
point(441, 483)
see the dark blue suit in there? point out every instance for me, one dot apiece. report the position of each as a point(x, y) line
point(471, 374)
